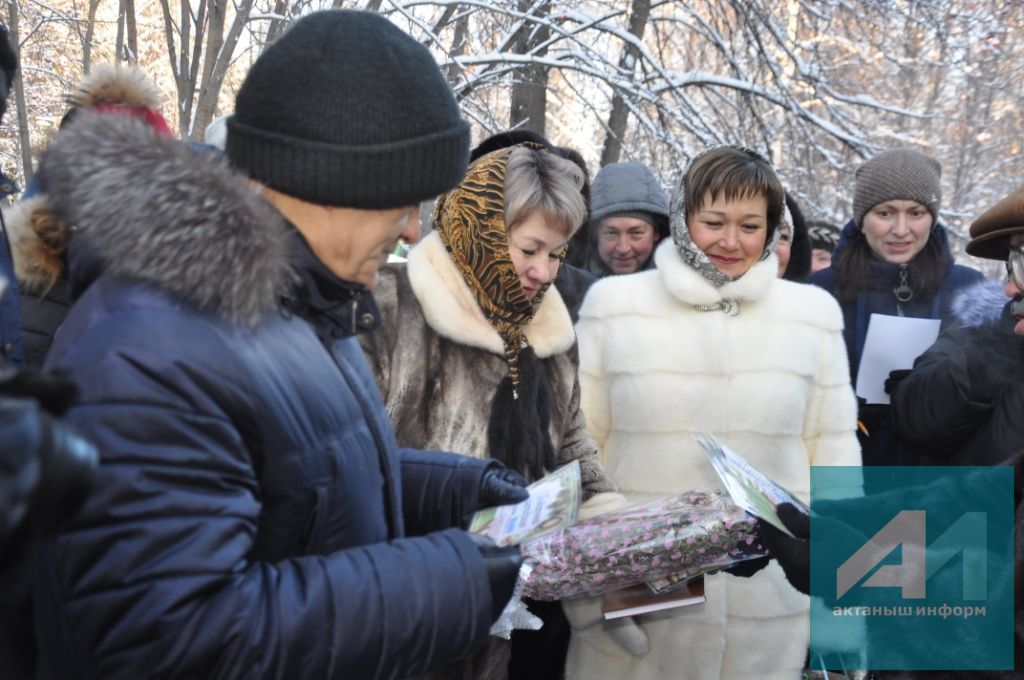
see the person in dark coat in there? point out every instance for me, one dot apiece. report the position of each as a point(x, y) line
point(893, 258)
point(252, 515)
point(794, 247)
point(962, 403)
point(823, 237)
point(628, 219)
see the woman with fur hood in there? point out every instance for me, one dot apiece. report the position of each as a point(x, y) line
point(476, 352)
point(712, 341)
point(38, 238)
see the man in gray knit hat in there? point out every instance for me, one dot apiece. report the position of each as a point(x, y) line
point(628, 218)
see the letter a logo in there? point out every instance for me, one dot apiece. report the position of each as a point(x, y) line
point(906, 530)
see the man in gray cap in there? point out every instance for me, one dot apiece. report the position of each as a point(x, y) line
point(253, 517)
point(628, 218)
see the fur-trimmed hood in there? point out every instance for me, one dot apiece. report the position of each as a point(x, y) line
point(147, 207)
point(450, 310)
point(979, 304)
point(35, 265)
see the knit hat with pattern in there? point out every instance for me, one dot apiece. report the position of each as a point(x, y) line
point(347, 110)
point(899, 174)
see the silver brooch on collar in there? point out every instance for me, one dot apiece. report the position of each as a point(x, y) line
point(730, 307)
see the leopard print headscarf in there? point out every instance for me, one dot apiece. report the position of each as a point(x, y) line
point(470, 220)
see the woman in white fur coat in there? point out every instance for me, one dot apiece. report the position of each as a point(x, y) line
point(711, 341)
point(476, 352)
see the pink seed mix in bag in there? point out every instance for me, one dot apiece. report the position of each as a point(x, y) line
point(688, 533)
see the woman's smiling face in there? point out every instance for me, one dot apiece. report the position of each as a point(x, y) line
point(731, 233)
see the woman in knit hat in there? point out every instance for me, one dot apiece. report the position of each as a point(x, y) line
point(628, 218)
point(893, 258)
point(711, 340)
point(476, 352)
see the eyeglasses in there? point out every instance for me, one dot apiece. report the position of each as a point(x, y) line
point(1015, 265)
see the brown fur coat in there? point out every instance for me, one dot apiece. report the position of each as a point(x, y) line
point(438, 363)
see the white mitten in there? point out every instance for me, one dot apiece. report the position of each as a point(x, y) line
point(586, 612)
point(630, 636)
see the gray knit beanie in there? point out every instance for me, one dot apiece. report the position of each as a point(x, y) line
point(627, 189)
point(899, 174)
point(347, 110)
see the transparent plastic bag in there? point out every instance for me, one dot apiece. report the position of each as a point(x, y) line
point(689, 533)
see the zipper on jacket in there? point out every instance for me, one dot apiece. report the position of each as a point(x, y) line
point(902, 290)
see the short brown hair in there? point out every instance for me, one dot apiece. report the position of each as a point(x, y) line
point(537, 181)
point(734, 172)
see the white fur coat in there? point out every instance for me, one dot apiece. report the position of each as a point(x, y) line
point(772, 382)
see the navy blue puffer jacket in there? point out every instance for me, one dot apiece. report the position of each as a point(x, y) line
point(879, 298)
point(248, 518)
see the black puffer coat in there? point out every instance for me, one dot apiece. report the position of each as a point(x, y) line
point(251, 511)
point(963, 404)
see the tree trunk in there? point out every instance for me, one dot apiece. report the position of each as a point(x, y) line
point(619, 114)
point(132, 31)
point(459, 41)
point(530, 83)
point(218, 62)
point(127, 42)
point(90, 30)
point(24, 136)
point(277, 26)
point(122, 13)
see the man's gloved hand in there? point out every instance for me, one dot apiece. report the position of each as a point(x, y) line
point(45, 470)
point(894, 379)
point(53, 390)
point(792, 554)
point(501, 486)
point(502, 571)
point(748, 568)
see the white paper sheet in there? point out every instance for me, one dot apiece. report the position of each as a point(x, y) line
point(892, 343)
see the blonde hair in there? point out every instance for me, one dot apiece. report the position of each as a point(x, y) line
point(537, 181)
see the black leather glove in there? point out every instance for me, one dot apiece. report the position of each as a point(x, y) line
point(872, 417)
point(53, 390)
point(748, 568)
point(502, 564)
point(894, 379)
point(792, 554)
point(45, 470)
point(501, 486)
